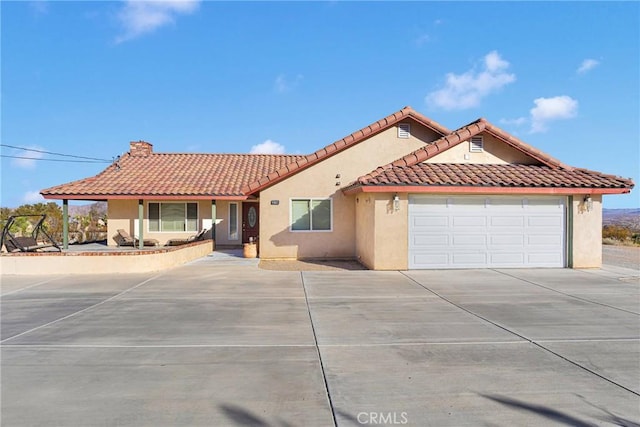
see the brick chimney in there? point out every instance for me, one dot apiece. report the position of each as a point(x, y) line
point(140, 148)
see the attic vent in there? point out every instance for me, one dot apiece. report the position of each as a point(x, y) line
point(404, 130)
point(476, 145)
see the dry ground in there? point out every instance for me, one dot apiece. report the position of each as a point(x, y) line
point(621, 256)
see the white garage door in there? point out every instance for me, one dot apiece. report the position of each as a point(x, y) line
point(479, 232)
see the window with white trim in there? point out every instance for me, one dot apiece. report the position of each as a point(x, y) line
point(311, 214)
point(476, 144)
point(173, 217)
point(233, 221)
point(404, 130)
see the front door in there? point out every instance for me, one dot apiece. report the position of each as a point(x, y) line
point(250, 222)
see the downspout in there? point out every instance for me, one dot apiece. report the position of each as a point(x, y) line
point(570, 232)
point(213, 224)
point(140, 223)
point(65, 224)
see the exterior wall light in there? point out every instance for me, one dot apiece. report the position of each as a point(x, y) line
point(396, 203)
point(588, 202)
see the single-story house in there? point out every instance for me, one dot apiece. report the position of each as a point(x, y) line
point(402, 193)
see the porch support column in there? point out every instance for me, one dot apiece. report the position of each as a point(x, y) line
point(570, 232)
point(213, 223)
point(65, 224)
point(140, 223)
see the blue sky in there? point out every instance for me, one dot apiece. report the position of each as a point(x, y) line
point(85, 78)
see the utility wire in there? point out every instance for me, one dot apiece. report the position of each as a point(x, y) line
point(56, 160)
point(49, 152)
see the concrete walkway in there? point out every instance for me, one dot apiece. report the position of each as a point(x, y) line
point(220, 342)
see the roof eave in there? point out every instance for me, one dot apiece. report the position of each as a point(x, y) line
point(463, 189)
point(104, 197)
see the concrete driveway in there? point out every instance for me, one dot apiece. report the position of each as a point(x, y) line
point(227, 344)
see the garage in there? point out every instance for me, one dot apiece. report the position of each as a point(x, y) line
point(486, 231)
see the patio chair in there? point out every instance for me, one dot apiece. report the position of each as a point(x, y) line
point(124, 239)
point(195, 238)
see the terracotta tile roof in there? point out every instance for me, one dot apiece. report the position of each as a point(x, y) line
point(464, 134)
point(484, 175)
point(146, 174)
point(342, 144)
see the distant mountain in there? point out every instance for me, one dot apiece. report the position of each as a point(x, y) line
point(629, 218)
point(101, 207)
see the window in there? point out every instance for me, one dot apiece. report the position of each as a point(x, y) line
point(476, 144)
point(233, 221)
point(404, 130)
point(173, 217)
point(311, 214)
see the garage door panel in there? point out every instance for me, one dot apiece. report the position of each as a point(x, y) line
point(548, 240)
point(433, 260)
point(506, 221)
point(500, 259)
point(428, 240)
point(470, 259)
point(542, 259)
point(506, 240)
point(476, 232)
point(431, 221)
point(544, 221)
point(469, 240)
point(469, 221)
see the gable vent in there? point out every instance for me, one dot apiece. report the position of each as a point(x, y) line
point(476, 145)
point(404, 130)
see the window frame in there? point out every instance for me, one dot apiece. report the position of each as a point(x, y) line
point(186, 217)
point(237, 235)
point(311, 199)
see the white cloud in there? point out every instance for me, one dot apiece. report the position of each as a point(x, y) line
point(40, 7)
point(587, 65)
point(422, 39)
point(268, 147)
point(514, 122)
point(282, 84)
point(549, 109)
point(28, 158)
point(139, 17)
point(466, 90)
point(32, 197)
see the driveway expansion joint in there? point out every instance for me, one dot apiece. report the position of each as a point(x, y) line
point(315, 340)
point(81, 311)
point(564, 293)
point(536, 343)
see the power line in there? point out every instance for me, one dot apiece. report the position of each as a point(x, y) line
point(56, 160)
point(49, 152)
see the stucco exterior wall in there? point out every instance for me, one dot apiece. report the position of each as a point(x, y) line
point(391, 232)
point(120, 215)
point(320, 181)
point(365, 230)
point(587, 232)
point(494, 152)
